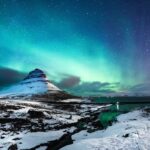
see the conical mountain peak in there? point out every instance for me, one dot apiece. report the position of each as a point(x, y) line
point(36, 73)
point(35, 83)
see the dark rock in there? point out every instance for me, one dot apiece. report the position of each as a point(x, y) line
point(13, 147)
point(97, 124)
point(2, 137)
point(14, 120)
point(36, 73)
point(7, 107)
point(63, 141)
point(35, 114)
point(126, 135)
point(48, 96)
point(147, 110)
point(15, 139)
point(57, 144)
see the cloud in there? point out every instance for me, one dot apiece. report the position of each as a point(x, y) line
point(74, 85)
point(94, 88)
point(69, 82)
point(10, 76)
point(140, 89)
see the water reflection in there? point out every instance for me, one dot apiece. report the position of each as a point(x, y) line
point(119, 107)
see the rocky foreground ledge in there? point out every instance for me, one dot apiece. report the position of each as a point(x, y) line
point(44, 126)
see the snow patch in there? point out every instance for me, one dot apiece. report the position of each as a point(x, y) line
point(131, 132)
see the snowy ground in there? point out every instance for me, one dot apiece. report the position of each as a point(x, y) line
point(130, 132)
point(32, 124)
point(27, 140)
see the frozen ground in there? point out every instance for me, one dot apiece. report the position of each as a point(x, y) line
point(130, 132)
point(34, 125)
point(40, 126)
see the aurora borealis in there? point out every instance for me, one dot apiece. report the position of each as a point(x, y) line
point(101, 45)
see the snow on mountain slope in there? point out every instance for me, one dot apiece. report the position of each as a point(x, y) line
point(35, 83)
point(131, 132)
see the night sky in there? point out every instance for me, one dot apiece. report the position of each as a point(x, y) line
point(88, 47)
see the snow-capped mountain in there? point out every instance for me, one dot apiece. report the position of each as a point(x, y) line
point(35, 84)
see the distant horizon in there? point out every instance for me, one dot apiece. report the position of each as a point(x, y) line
point(61, 86)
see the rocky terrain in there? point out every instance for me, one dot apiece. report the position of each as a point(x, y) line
point(37, 115)
point(36, 125)
point(131, 131)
